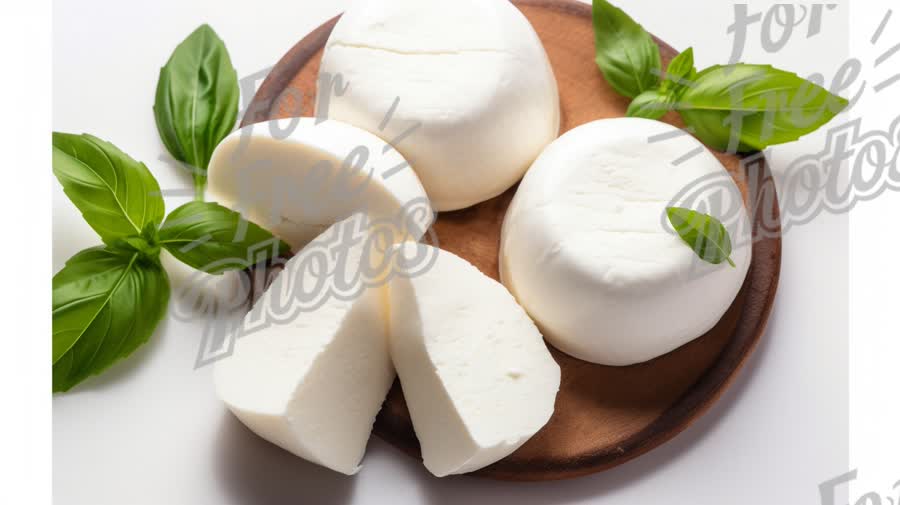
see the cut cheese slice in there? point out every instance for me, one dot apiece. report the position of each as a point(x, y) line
point(298, 176)
point(477, 376)
point(312, 368)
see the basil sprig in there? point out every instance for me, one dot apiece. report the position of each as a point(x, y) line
point(704, 234)
point(738, 107)
point(108, 300)
point(196, 101)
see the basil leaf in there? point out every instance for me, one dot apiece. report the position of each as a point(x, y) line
point(704, 234)
point(215, 239)
point(625, 52)
point(681, 71)
point(196, 101)
point(652, 104)
point(750, 107)
point(117, 195)
point(106, 304)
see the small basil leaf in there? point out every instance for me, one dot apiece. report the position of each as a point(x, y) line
point(625, 52)
point(652, 104)
point(750, 107)
point(704, 234)
point(117, 195)
point(196, 101)
point(680, 71)
point(148, 250)
point(106, 304)
point(215, 239)
point(146, 244)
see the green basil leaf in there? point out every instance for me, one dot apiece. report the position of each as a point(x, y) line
point(680, 71)
point(625, 52)
point(196, 101)
point(215, 239)
point(106, 304)
point(704, 234)
point(750, 107)
point(117, 195)
point(652, 104)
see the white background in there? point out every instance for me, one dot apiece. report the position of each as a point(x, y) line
point(151, 431)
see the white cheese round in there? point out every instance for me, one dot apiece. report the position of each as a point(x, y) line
point(586, 249)
point(477, 376)
point(309, 376)
point(296, 177)
point(464, 90)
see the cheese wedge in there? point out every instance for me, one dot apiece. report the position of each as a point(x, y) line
point(462, 88)
point(477, 376)
point(586, 247)
point(312, 368)
point(296, 177)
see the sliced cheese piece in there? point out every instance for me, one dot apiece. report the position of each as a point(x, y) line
point(476, 374)
point(297, 176)
point(313, 368)
point(463, 89)
point(587, 250)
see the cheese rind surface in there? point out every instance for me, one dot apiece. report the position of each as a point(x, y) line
point(586, 249)
point(463, 89)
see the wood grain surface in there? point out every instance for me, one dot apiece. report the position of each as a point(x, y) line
point(604, 416)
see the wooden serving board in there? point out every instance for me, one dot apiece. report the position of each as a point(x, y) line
point(604, 416)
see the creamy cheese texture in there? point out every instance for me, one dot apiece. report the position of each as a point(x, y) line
point(585, 249)
point(462, 88)
point(312, 371)
point(298, 176)
point(477, 376)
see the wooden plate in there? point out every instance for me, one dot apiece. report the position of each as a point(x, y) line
point(604, 416)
